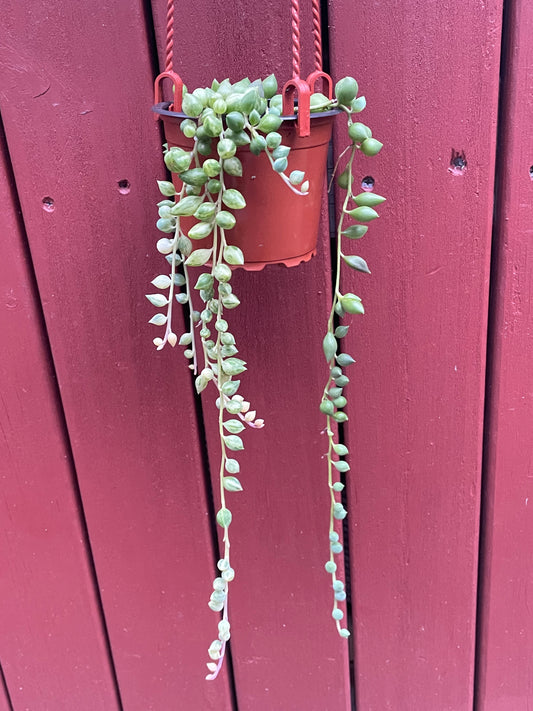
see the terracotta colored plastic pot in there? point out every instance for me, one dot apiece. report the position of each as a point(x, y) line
point(276, 226)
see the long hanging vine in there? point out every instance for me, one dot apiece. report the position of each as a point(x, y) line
point(220, 119)
point(359, 208)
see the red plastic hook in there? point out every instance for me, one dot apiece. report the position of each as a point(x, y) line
point(313, 78)
point(296, 87)
point(178, 89)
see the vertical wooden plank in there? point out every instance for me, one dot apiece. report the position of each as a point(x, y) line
point(286, 651)
point(430, 74)
point(506, 638)
point(76, 94)
point(52, 647)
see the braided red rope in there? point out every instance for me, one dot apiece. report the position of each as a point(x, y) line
point(295, 11)
point(317, 36)
point(169, 47)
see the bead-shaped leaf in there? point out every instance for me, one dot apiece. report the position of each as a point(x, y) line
point(340, 332)
point(233, 199)
point(340, 449)
point(232, 466)
point(233, 255)
point(341, 466)
point(369, 199)
point(231, 483)
point(187, 205)
point(199, 257)
point(329, 345)
point(234, 426)
point(200, 230)
point(355, 231)
point(157, 299)
point(344, 359)
point(363, 214)
point(230, 387)
point(158, 319)
point(162, 281)
point(233, 366)
point(166, 188)
point(224, 517)
point(357, 263)
point(233, 442)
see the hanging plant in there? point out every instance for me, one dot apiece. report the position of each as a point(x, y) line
point(221, 128)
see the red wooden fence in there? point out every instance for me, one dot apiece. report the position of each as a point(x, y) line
point(106, 553)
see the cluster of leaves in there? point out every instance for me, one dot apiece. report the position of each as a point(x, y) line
point(358, 208)
point(199, 207)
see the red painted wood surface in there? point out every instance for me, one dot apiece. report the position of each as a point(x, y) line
point(286, 651)
point(430, 74)
point(52, 647)
point(506, 659)
point(75, 98)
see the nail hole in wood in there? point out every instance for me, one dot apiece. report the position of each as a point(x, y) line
point(48, 204)
point(124, 186)
point(368, 183)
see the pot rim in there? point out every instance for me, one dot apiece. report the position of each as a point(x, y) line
point(162, 109)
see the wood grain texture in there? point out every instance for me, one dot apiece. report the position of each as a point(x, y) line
point(286, 651)
point(506, 640)
point(75, 98)
point(430, 74)
point(52, 647)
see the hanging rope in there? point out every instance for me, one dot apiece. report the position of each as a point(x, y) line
point(317, 35)
point(169, 47)
point(295, 11)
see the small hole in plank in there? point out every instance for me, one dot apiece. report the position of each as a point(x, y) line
point(48, 204)
point(368, 183)
point(457, 163)
point(531, 172)
point(124, 186)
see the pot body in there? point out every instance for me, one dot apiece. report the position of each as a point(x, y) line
point(277, 226)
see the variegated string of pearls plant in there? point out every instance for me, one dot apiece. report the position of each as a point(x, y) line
point(233, 115)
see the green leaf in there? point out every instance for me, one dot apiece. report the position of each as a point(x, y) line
point(341, 466)
point(194, 176)
point(270, 86)
point(230, 387)
point(232, 466)
point(233, 366)
point(206, 212)
point(344, 359)
point(296, 177)
point(371, 147)
point(358, 104)
point(191, 105)
point(233, 199)
point(224, 517)
point(340, 332)
point(157, 299)
point(338, 486)
point(233, 442)
point(200, 383)
point(162, 281)
point(357, 263)
point(233, 255)
point(352, 305)
point(346, 90)
point(234, 426)
point(231, 483)
point(158, 320)
point(199, 257)
point(280, 164)
point(327, 407)
point(185, 339)
point(200, 230)
point(230, 301)
point(329, 345)
point(363, 214)
point(340, 417)
point(269, 122)
point(166, 188)
point(359, 132)
point(355, 231)
point(340, 449)
point(368, 199)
